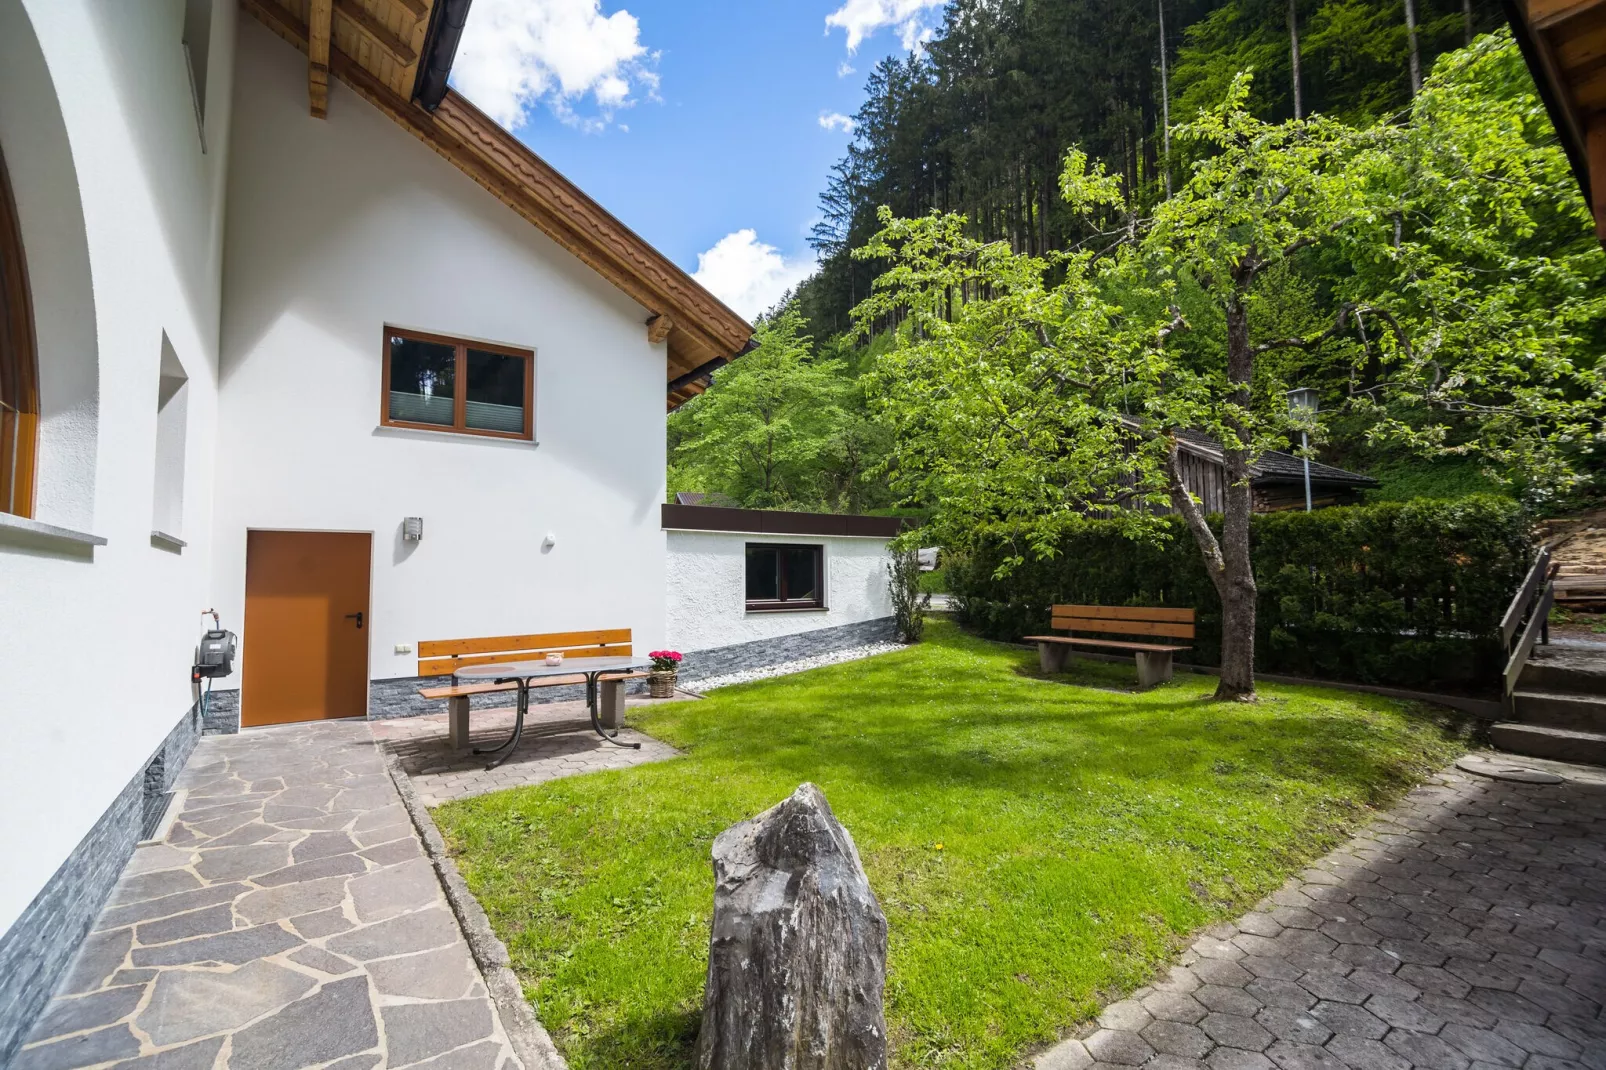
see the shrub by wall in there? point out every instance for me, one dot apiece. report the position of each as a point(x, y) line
point(1402, 593)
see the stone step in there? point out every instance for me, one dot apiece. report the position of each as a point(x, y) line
point(1561, 670)
point(1578, 713)
point(1542, 741)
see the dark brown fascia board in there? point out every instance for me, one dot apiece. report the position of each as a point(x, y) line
point(507, 169)
point(774, 522)
point(1552, 92)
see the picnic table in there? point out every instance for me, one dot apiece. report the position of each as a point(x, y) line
point(523, 672)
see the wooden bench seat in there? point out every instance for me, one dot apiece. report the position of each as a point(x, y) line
point(443, 657)
point(1153, 659)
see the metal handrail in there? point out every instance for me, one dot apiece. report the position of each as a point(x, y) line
point(1532, 603)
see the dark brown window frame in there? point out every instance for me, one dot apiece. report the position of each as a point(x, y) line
point(19, 366)
point(784, 605)
point(459, 424)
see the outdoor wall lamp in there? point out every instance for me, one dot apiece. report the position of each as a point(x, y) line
point(413, 529)
point(1303, 404)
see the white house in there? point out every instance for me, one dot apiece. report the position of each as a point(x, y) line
point(253, 318)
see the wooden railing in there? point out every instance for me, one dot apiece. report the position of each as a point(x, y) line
point(1529, 615)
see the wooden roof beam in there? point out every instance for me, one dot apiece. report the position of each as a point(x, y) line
point(320, 28)
point(1546, 14)
point(360, 20)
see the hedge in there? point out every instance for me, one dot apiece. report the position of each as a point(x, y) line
point(1401, 593)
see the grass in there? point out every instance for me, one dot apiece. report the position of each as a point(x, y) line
point(934, 582)
point(1038, 845)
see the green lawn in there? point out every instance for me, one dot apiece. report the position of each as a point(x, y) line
point(1039, 845)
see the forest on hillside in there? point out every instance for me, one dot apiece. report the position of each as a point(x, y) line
point(978, 123)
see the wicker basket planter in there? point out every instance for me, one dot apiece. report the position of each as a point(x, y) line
point(661, 684)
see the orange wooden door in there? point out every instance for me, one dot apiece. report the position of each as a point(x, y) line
point(306, 626)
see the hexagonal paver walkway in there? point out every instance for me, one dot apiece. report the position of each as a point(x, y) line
point(558, 741)
point(289, 919)
point(1466, 930)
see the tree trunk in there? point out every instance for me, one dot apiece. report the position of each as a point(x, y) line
point(1293, 56)
point(1416, 56)
point(1466, 21)
point(1165, 102)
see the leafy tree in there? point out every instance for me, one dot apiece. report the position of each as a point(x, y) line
point(1066, 389)
point(762, 430)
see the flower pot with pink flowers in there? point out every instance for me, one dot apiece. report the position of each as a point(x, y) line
point(665, 668)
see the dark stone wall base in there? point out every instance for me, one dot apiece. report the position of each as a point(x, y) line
point(222, 713)
point(399, 697)
point(36, 950)
point(762, 653)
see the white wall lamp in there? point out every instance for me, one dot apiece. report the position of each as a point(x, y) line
point(413, 529)
point(548, 543)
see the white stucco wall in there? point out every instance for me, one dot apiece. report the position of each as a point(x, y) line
point(706, 588)
point(339, 227)
point(120, 211)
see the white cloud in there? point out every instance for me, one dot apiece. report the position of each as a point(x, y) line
point(836, 121)
point(861, 18)
point(517, 54)
point(845, 68)
point(748, 275)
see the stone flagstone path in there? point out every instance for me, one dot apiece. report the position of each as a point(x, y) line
point(1465, 930)
point(289, 920)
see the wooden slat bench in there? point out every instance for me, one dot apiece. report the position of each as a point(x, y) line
point(444, 657)
point(1154, 659)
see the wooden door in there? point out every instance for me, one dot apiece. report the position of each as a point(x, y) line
point(306, 626)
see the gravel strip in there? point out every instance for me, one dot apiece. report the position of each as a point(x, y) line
point(786, 668)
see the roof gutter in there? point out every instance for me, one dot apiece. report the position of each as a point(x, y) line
point(703, 371)
point(446, 21)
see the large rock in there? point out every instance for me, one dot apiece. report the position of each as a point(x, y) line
point(798, 958)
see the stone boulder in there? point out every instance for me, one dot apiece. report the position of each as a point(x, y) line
point(798, 958)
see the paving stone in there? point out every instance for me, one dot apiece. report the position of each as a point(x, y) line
point(1403, 1014)
point(201, 1055)
point(232, 948)
point(1066, 1055)
point(301, 872)
point(1276, 993)
point(1434, 979)
point(1541, 1040)
point(1423, 1050)
point(445, 973)
point(186, 1004)
point(1558, 1000)
point(1460, 1011)
point(388, 892)
point(1295, 1056)
point(145, 886)
point(485, 1056)
point(81, 1013)
point(165, 906)
point(1174, 1007)
point(388, 854)
point(1221, 972)
point(422, 1030)
point(315, 958)
point(1235, 1031)
point(1228, 1000)
point(334, 1021)
point(235, 863)
point(1177, 1038)
point(1483, 1046)
point(1106, 1046)
point(1334, 987)
point(85, 1049)
point(1347, 1019)
point(398, 936)
point(1364, 1054)
point(1281, 969)
point(321, 923)
point(218, 919)
point(1127, 1014)
point(1237, 1059)
point(1299, 1027)
point(99, 956)
point(292, 900)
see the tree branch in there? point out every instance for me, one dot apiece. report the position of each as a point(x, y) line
point(1183, 502)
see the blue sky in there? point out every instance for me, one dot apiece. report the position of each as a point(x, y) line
point(706, 125)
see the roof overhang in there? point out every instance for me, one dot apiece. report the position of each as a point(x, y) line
point(1564, 44)
point(397, 54)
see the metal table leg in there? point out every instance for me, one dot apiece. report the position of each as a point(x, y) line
point(505, 749)
point(592, 694)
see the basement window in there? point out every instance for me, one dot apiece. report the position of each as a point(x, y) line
point(437, 383)
point(785, 577)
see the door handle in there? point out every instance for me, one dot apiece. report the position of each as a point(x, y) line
point(356, 617)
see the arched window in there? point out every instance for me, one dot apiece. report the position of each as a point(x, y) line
point(19, 371)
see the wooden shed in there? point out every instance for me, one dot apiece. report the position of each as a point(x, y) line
point(1277, 478)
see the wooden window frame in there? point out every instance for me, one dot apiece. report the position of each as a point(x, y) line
point(19, 366)
point(459, 424)
point(785, 604)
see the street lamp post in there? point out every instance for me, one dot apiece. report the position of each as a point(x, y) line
point(1303, 403)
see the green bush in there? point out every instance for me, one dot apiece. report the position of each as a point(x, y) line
point(1402, 593)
